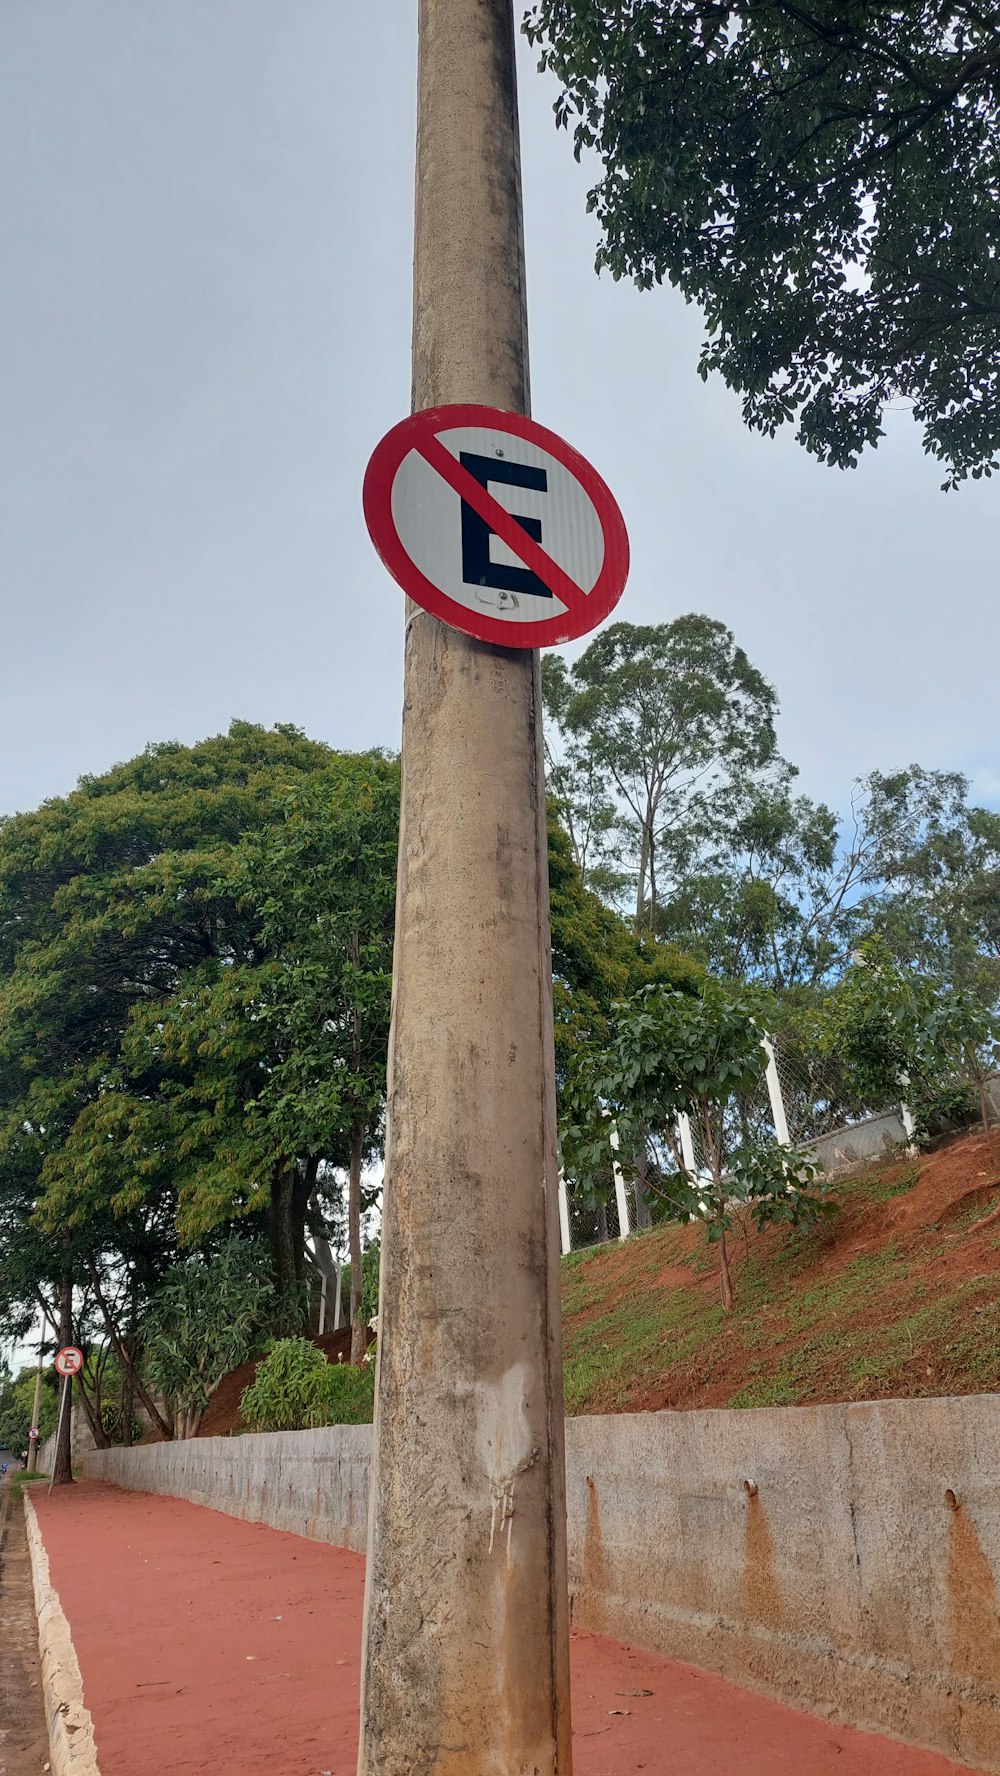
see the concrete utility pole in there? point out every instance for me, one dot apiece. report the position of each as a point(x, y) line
point(62, 1462)
point(35, 1414)
point(466, 1631)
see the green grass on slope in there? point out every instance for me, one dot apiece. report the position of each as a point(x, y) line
point(875, 1327)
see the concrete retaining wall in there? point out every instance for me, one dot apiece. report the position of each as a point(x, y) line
point(813, 1553)
point(313, 1483)
point(858, 1143)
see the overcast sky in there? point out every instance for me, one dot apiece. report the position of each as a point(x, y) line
point(204, 315)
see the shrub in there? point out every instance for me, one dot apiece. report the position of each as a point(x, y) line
point(206, 1318)
point(295, 1388)
point(345, 1395)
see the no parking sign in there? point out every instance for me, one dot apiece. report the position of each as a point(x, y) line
point(496, 525)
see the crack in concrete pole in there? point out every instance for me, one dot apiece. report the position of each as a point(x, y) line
point(466, 1641)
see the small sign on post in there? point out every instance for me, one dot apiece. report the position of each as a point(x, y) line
point(496, 525)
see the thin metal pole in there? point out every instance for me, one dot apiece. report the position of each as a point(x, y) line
point(67, 1388)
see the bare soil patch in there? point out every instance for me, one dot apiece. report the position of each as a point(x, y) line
point(898, 1294)
point(24, 1745)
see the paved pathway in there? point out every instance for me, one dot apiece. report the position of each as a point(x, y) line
point(211, 1645)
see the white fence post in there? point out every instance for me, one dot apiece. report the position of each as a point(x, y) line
point(565, 1240)
point(687, 1142)
point(910, 1129)
point(909, 1126)
point(778, 1116)
point(620, 1196)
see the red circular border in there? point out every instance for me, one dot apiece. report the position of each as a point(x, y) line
point(67, 1350)
point(381, 474)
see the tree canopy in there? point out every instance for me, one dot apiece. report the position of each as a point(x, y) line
point(195, 975)
point(665, 720)
point(824, 180)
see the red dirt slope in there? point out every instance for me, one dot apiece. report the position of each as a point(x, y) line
point(897, 1295)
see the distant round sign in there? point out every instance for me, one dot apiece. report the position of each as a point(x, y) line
point(496, 525)
point(69, 1361)
point(33, 1435)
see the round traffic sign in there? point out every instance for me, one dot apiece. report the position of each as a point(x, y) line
point(496, 525)
point(69, 1361)
point(33, 1435)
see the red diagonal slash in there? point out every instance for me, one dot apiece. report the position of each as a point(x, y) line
point(501, 521)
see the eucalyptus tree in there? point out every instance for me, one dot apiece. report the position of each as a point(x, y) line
point(672, 719)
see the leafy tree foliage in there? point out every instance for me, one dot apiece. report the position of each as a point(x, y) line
point(673, 716)
point(824, 180)
point(193, 1025)
point(325, 879)
point(672, 1053)
point(597, 959)
point(17, 1398)
point(296, 1389)
point(906, 1034)
point(206, 1318)
point(784, 893)
point(725, 859)
point(120, 909)
point(939, 908)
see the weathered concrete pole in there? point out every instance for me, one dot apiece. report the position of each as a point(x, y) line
point(466, 1633)
point(36, 1408)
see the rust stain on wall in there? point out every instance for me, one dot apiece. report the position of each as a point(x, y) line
point(595, 1564)
point(760, 1591)
point(975, 1611)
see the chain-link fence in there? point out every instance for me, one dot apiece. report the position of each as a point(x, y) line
point(801, 1100)
point(814, 1092)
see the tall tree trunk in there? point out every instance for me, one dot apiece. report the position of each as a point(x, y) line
point(156, 1418)
point(359, 1331)
point(62, 1467)
point(640, 893)
point(92, 1413)
point(281, 1233)
point(725, 1278)
point(984, 1106)
point(303, 1182)
point(128, 1407)
point(643, 1213)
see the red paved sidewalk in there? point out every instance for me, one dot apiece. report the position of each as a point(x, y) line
point(211, 1645)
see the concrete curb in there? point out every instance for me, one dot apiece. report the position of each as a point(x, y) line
point(72, 1751)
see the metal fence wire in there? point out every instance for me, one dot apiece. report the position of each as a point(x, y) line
point(800, 1098)
point(814, 1091)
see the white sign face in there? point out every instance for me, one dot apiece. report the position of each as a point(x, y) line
point(496, 525)
point(467, 561)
